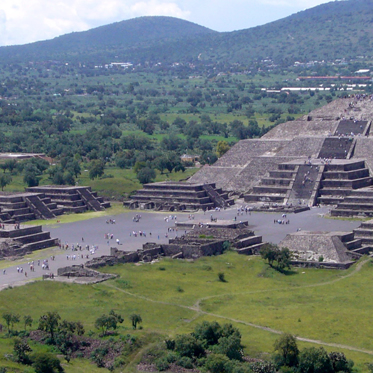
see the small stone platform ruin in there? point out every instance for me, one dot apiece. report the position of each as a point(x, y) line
point(325, 157)
point(200, 241)
point(179, 196)
point(330, 249)
point(47, 202)
point(15, 242)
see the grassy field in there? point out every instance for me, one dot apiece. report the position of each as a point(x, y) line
point(172, 296)
point(114, 184)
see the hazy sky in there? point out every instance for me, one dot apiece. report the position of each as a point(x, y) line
point(25, 21)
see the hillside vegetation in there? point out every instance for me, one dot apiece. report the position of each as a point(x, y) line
point(339, 29)
point(173, 296)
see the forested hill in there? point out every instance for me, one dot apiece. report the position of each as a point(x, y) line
point(107, 41)
point(339, 29)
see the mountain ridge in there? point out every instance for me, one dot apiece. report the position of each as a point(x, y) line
point(341, 29)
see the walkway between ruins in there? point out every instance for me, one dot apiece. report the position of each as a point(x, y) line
point(93, 232)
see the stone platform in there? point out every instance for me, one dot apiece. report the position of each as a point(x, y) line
point(179, 196)
point(16, 241)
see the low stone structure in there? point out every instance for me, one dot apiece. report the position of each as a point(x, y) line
point(18, 241)
point(179, 196)
point(85, 275)
point(47, 202)
point(328, 249)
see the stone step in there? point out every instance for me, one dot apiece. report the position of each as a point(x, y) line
point(340, 183)
point(355, 206)
point(329, 200)
point(367, 225)
point(24, 217)
point(262, 189)
point(363, 232)
point(334, 191)
point(349, 213)
point(345, 167)
point(73, 209)
point(251, 250)
point(368, 192)
point(148, 198)
point(365, 250)
point(352, 245)
point(264, 197)
point(248, 241)
point(358, 199)
point(36, 237)
point(347, 175)
point(171, 192)
point(274, 181)
point(282, 174)
point(366, 240)
point(13, 205)
point(41, 244)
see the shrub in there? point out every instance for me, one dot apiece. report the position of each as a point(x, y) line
point(221, 277)
point(185, 362)
point(179, 289)
point(162, 364)
point(171, 357)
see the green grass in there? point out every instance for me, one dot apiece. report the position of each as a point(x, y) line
point(114, 184)
point(318, 304)
point(115, 209)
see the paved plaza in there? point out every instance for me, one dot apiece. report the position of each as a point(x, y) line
point(156, 226)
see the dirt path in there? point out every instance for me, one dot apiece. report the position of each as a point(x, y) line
point(196, 308)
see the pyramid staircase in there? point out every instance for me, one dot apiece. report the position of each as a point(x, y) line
point(276, 187)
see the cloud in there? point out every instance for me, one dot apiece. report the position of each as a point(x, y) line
point(23, 22)
point(300, 4)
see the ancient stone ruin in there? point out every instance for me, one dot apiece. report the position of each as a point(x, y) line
point(179, 196)
point(18, 241)
point(47, 202)
point(325, 157)
point(80, 274)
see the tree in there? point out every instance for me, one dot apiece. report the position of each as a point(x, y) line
point(269, 252)
point(11, 164)
point(8, 320)
point(340, 363)
point(107, 322)
point(21, 349)
point(31, 175)
point(314, 360)
point(188, 345)
point(287, 350)
point(135, 319)
point(230, 346)
point(44, 362)
point(96, 169)
point(146, 175)
point(284, 258)
point(49, 322)
point(208, 333)
point(27, 321)
point(221, 148)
